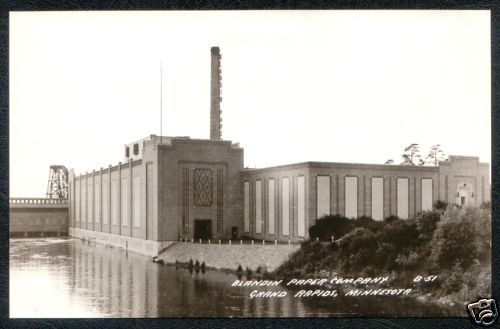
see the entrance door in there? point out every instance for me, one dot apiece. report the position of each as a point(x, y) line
point(465, 194)
point(202, 229)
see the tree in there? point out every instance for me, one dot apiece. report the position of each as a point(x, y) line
point(435, 155)
point(411, 155)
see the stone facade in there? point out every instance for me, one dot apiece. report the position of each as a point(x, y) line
point(40, 220)
point(354, 190)
point(184, 188)
point(37, 217)
point(153, 199)
point(174, 188)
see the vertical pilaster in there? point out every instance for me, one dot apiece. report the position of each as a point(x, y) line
point(93, 200)
point(110, 205)
point(100, 200)
point(130, 198)
point(120, 198)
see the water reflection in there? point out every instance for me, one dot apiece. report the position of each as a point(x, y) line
point(70, 278)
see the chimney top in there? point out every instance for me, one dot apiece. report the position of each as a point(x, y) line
point(215, 95)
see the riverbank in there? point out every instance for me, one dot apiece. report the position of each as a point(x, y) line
point(443, 256)
point(229, 257)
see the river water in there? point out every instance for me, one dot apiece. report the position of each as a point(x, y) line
point(64, 277)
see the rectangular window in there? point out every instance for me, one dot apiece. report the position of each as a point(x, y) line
point(90, 199)
point(402, 186)
point(136, 149)
point(285, 204)
point(77, 201)
point(125, 201)
point(426, 194)
point(127, 152)
point(351, 197)
point(378, 198)
point(246, 206)
point(105, 200)
point(149, 198)
point(136, 202)
point(323, 196)
point(115, 202)
point(97, 202)
point(84, 201)
point(301, 205)
point(258, 207)
point(270, 213)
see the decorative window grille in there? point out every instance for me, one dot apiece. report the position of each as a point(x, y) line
point(202, 187)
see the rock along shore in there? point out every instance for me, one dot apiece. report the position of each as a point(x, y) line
point(228, 257)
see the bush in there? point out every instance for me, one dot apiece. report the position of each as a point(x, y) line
point(486, 205)
point(427, 223)
point(401, 233)
point(408, 262)
point(365, 221)
point(329, 226)
point(454, 243)
point(440, 205)
point(391, 219)
point(462, 235)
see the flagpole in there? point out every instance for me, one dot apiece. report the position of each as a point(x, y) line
point(161, 102)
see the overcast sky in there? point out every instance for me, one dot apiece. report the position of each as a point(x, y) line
point(340, 86)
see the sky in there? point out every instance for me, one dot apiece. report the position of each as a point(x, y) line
point(339, 86)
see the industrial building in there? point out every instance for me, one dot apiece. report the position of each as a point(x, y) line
point(172, 188)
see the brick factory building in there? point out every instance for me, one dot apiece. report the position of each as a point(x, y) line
point(170, 188)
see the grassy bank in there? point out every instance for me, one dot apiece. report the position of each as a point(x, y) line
point(452, 243)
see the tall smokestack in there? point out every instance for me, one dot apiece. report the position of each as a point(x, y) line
point(215, 95)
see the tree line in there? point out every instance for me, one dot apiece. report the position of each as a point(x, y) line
point(412, 157)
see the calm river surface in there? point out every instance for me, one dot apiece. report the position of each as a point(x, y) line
point(64, 277)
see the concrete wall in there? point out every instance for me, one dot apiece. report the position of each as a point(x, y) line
point(35, 219)
point(104, 200)
point(137, 245)
point(440, 183)
point(155, 198)
point(152, 198)
point(111, 203)
point(278, 175)
point(177, 162)
point(468, 170)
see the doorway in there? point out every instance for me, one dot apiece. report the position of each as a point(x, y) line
point(202, 229)
point(465, 194)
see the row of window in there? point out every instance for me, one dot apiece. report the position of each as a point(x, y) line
point(377, 196)
point(84, 205)
point(284, 210)
point(324, 201)
point(136, 150)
